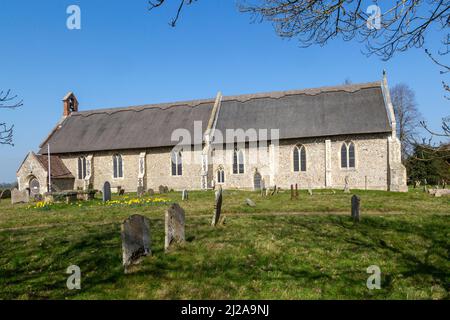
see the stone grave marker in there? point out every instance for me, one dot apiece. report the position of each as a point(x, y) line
point(174, 226)
point(250, 203)
point(135, 233)
point(346, 187)
point(19, 196)
point(106, 192)
point(356, 202)
point(161, 189)
point(184, 195)
point(217, 207)
point(151, 192)
point(140, 191)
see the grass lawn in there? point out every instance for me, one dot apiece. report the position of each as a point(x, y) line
point(281, 249)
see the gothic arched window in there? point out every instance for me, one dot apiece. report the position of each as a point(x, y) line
point(220, 176)
point(81, 167)
point(299, 158)
point(117, 166)
point(238, 161)
point(348, 155)
point(177, 163)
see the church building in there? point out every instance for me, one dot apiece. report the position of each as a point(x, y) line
point(316, 138)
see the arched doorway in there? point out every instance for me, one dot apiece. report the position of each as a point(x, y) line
point(34, 186)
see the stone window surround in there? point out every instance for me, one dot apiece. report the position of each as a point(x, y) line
point(347, 145)
point(83, 172)
point(238, 150)
point(123, 167)
point(299, 146)
point(180, 151)
point(219, 169)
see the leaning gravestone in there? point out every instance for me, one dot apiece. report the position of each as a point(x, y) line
point(217, 207)
point(5, 194)
point(250, 203)
point(19, 196)
point(174, 225)
point(135, 233)
point(184, 195)
point(356, 201)
point(151, 192)
point(106, 191)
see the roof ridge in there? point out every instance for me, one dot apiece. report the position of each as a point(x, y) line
point(242, 98)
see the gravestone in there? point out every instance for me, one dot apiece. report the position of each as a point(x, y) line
point(174, 225)
point(135, 233)
point(217, 207)
point(19, 196)
point(310, 191)
point(5, 194)
point(161, 189)
point(121, 192)
point(292, 192)
point(184, 195)
point(296, 191)
point(106, 191)
point(151, 192)
point(267, 192)
point(274, 190)
point(346, 187)
point(356, 201)
point(250, 203)
point(140, 191)
point(166, 189)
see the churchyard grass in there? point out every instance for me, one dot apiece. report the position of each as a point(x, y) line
point(307, 248)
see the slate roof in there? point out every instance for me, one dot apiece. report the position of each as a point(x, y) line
point(57, 167)
point(326, 111)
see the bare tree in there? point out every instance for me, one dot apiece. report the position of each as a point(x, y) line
point(407, 115)
point(386, 27)
point(8, 101)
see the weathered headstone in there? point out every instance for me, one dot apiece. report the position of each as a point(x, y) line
point(151, 192)
point(217, 207)
point(250, 203)
point(140, 191)
point(292, 191)
point(19, 196)
point(106, 191)
point(121, 192)
point(184, 195)
point(161, 189)
point(174, 225)
point(135, 233)
point(310, 191)
point(356, 201)
point(166, 189)
point(274, 190)
point(5, 194)
point(346, 187)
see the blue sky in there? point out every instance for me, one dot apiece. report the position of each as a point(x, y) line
point(123, 55)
